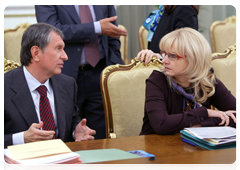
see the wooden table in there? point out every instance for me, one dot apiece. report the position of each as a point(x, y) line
point(168, 149)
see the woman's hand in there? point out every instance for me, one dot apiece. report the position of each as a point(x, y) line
point(225, 116)
point(147, 55)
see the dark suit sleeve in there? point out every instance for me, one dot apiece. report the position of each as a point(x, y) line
point(61, 17)
point(7, 140)
point(114, 53)
point(19, 109)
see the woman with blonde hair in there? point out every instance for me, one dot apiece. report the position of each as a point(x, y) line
point(182, 93)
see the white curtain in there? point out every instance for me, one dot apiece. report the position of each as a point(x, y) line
point(132, 17)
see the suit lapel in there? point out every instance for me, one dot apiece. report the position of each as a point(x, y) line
point(73, 13)
point(98, 12)
point(60, 103)
point(23, 99)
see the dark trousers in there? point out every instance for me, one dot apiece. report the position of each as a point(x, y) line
point(89, 99)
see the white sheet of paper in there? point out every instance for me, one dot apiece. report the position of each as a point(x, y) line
point(213, 132)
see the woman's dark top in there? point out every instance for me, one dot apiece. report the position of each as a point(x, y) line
point(164, 107)
point(181, 16)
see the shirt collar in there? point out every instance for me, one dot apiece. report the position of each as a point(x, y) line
point(34, 83)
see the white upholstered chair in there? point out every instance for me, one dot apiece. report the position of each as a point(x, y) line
point(224, 65)
point(124, 45)
point(12, 42)
point(123, 92)
point(142, 34)
point(223, 34)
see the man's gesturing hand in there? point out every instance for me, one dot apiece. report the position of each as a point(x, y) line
point(83, 132)
point(34, 133)
point(110, 29)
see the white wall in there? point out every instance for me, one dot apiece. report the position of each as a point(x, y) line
point(15, 15)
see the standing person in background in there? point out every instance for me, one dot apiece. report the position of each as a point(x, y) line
point(169, 18)
point(182, 93)
point(92, 43)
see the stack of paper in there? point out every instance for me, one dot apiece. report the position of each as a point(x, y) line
point(43, 152)
point(211, 137)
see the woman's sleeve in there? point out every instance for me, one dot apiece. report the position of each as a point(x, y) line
point(222, 100)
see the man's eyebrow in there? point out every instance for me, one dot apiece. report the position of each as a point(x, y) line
point(60, 45)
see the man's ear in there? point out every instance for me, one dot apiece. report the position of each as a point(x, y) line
point(36, 52)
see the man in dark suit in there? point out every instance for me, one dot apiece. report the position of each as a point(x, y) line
point(42, 58)
point(78, 33)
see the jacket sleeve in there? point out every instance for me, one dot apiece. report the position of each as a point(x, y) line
point(7, 140)
point(222, 100)
point(113, 52)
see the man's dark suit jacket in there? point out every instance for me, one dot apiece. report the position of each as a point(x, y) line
point(182, 16)
point(19, 109)
point(65, 18)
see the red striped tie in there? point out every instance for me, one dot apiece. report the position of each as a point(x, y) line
point(46, 111)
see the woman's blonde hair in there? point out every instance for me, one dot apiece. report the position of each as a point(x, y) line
point(192, 45)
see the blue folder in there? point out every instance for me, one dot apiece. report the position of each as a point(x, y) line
point(206, 144)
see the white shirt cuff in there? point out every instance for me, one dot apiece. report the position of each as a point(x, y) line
point(18, 138)
point(97, 27)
